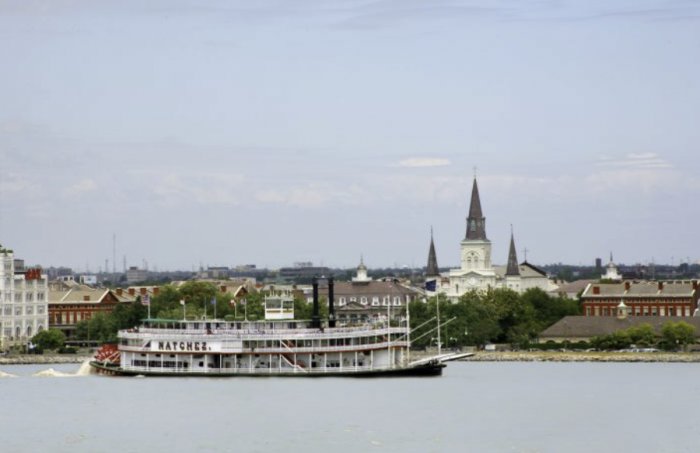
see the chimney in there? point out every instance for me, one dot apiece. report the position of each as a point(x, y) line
point(222, 289)
point(331, 307)
point(596, 290)
point(132, 291)
point(119, 291)
point(156, 290)
point(143, 291)
point(661, 286)
point(695, 285)
point(627, 286)
point(315, 320)
point(86, 298)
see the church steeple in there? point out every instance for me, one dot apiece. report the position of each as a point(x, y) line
point(476, 222)
point(432, 270)
point(513, 268)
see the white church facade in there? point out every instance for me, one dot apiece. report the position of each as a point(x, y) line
point(477, 271)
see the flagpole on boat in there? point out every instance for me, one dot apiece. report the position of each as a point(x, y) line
point(437, 304)
point(408, 332)
point(388, 323)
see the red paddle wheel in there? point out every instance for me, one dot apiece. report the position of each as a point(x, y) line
point(108, 353)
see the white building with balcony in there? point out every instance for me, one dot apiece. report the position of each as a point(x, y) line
point(24, 296)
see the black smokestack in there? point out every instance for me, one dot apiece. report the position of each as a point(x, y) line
point(315, 319)
point(331, 307)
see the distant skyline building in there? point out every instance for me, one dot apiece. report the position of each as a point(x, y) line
point(611, 272)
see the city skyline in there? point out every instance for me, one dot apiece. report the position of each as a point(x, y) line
point(270, 133)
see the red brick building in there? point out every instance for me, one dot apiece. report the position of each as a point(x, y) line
point(663, 298)
point(70, 305)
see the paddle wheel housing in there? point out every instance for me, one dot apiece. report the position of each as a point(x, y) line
point(108, 353)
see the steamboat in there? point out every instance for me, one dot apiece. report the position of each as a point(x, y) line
point(277, 346)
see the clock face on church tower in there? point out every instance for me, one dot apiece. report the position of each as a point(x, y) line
point(471, 281)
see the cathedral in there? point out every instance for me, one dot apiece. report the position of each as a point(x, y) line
point(476, 271)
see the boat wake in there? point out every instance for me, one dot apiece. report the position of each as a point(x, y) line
point(6, 375)
point(84, 370)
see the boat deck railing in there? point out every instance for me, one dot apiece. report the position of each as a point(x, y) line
point(260, 370)
point(227, 334)
point(233, 349)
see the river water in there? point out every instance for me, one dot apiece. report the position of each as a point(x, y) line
point(473, 407)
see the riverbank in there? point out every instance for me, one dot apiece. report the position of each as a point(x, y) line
point(661, 357)
point(649, 357)
point(42, 359)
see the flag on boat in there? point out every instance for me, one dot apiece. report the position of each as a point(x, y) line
point(233, 303)
point(146, 300)
point(213, 301)
point(182, 302)
point(431, 285)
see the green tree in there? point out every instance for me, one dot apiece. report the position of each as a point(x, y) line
point(50, 339)
point(642, 335)
point(481, 324)
point(618, 340)
point(678, 334)
point(548, 309)
point(515, 315)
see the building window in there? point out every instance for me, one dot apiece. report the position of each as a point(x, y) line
point(363, 300)
point(605, 311)
point(588, 311)
point(397, 300)
point(386, 300)
point(341, 301)
point(375, 301)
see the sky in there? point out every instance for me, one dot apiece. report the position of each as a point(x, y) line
point(269, 132)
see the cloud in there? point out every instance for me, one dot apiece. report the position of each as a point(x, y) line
point(424, 162)
point(202, 188)
point(634, 180)
point(312, 196)
point(635, 161)
point(85, 186)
